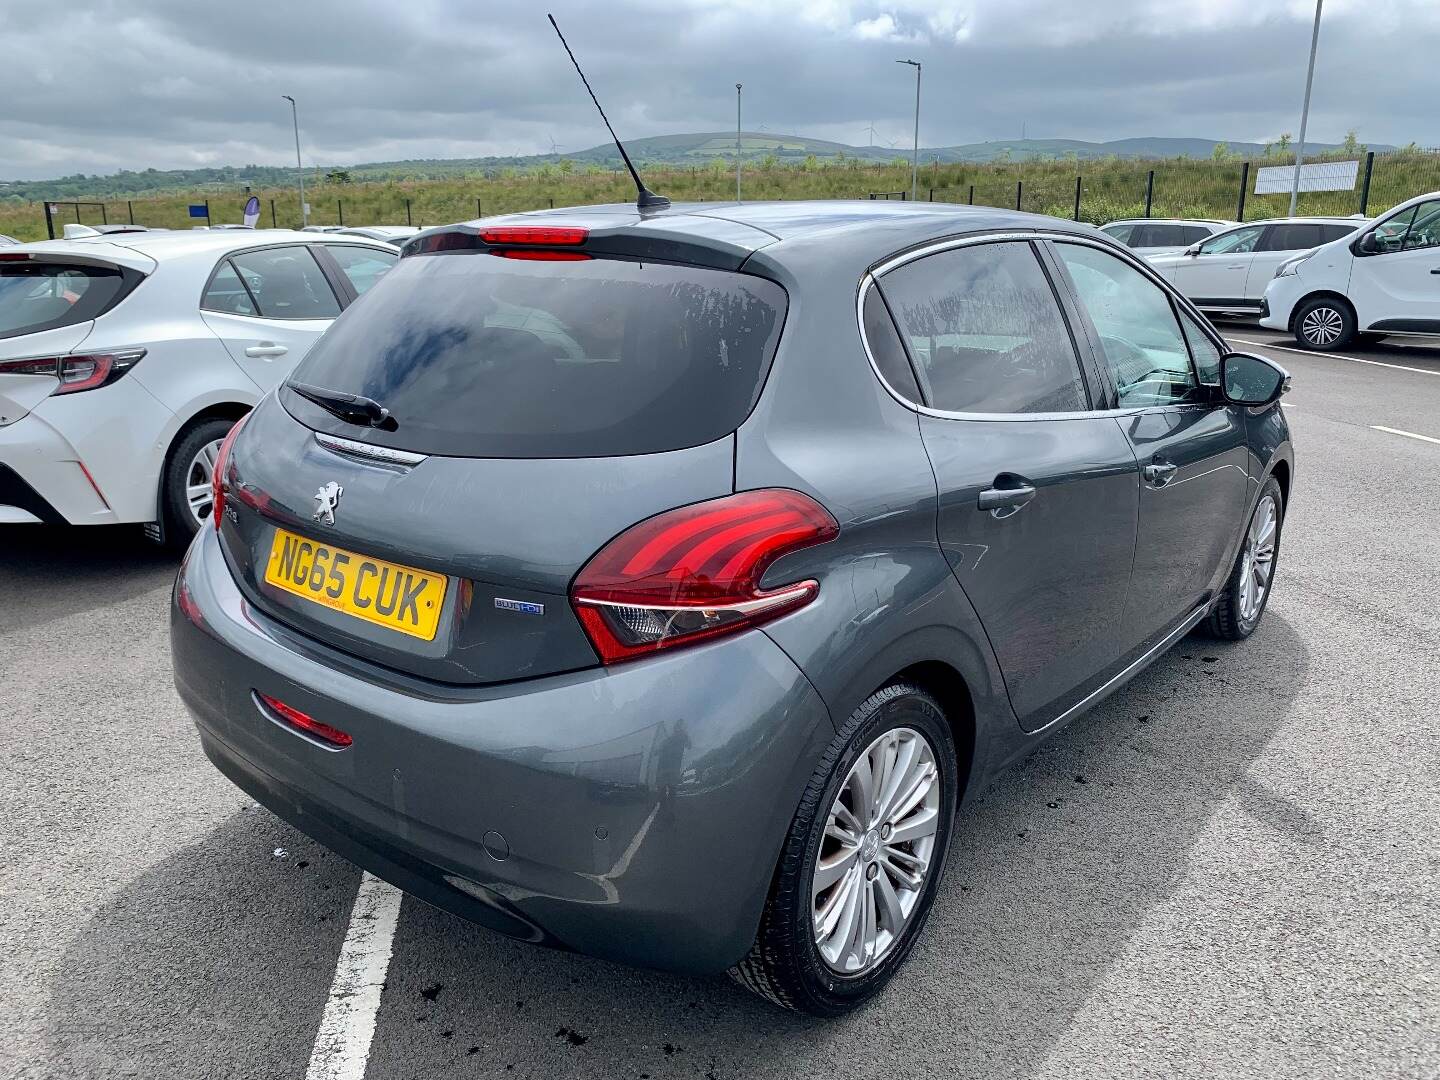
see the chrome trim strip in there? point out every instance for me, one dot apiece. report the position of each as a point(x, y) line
point(365, 450)
point(870, 279)
point(745, 607)
point(1132, 668)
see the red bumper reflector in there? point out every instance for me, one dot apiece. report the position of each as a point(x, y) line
point(308, 724)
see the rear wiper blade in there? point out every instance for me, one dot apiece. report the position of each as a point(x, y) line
point(352, 408)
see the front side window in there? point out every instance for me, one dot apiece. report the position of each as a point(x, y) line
point(1139, 337)
point(1159, 236)
point(1425, 228)
point(362, 266)
point(1234, 242)
point(985, 331)
point(1203, 348)
point(286, 283)
point(1390, 235)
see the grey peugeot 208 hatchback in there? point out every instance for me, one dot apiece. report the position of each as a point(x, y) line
point(656, 584)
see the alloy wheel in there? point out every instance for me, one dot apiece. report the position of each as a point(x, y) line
point(199, 495)
point(1259, 559)
point(875, 856)
point(1322, 325)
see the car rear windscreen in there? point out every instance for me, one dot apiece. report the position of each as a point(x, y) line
point(37, 296)
point(480, 356)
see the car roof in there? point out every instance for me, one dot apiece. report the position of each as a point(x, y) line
point(1169, 221)
point(144, 250)
point(1319, 219)
point(728, 233)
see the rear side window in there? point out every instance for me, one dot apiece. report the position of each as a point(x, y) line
point(985, 331)
point(227, 293)
point(362, 266)
point(286, 283)
point(37, 296)
point(1119, 232)
point(1334, 232)
point(1158, 236)
point(1293, 237)
point(1193, 233)
point(480, 356)
point(886, 348)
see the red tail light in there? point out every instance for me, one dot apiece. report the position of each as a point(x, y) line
point(219, 481)
point(308, 724)
point(549, 235)
point(79, 372)
point(694, 573)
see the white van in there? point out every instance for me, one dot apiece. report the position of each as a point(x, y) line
point(1384, 280)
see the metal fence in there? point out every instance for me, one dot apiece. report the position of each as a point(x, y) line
point(1093, 190)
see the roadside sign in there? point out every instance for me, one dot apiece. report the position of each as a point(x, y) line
point(1323, 176)
point(199, 210)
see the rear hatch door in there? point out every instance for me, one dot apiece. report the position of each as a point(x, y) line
point(535, 409)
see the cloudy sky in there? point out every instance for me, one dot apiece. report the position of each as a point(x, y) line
point(111, 84)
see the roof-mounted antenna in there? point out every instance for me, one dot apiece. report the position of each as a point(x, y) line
point(645, 198)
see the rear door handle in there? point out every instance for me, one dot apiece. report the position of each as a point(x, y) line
point(266, 349)
point(1016, 493)
point(1158, 473)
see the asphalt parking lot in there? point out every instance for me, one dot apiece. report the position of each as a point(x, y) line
point(1231, 868)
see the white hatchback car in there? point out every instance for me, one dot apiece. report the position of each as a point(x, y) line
point(1162, 236)
point(125, 359)
point(1384, 281)
point(1229, 271)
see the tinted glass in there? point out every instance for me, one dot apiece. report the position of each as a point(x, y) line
point(479, 356)
point(42, 296)
point(1235, 242)
point(287, 283)
point(1203, 350)
point(1425, 228)
point(361, 265)
point(885, 347)
point(1334, 232)
point(227, 293)
point(985, 331)
point(1193, 233)
point(1139, 336)
point(1294, 237)
point(1119, 232)
point(1158, 236)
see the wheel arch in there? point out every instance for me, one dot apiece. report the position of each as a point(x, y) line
point(224, 409)
point(1322, 294)
point(948, 687)
point(1281, 472)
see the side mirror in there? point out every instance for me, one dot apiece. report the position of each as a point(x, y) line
point(1247, 379)
point(1194, 249)
point(1368, 244)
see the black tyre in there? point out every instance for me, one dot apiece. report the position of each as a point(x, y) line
point(1241, 605)
point(854, 884)
point(184, 497)
point(1324, 324)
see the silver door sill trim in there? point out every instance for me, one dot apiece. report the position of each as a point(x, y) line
point(1132, 668)
point(365, 450)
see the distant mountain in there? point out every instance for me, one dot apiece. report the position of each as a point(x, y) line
point(689, 149)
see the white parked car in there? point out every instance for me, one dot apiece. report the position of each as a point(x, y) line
point(1229, 271)
point(1384, 281)
point(125, 359)
point(1162, 236)
point(391, 234)
point(7, 241)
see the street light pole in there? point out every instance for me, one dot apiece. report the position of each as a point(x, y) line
point(737, 141)
point(1305, 109)
point(915, 152)
point(299, 168)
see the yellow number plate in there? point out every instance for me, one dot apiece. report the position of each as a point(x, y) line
point(398, 597)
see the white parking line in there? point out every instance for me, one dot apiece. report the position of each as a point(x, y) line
point(1407, 434)
point(342, 1045)
point(1337, 356)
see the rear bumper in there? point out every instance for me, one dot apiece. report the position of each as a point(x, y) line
point(41, 478)
point(634, 813)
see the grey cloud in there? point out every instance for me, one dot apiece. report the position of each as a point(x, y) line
point(167, 84)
